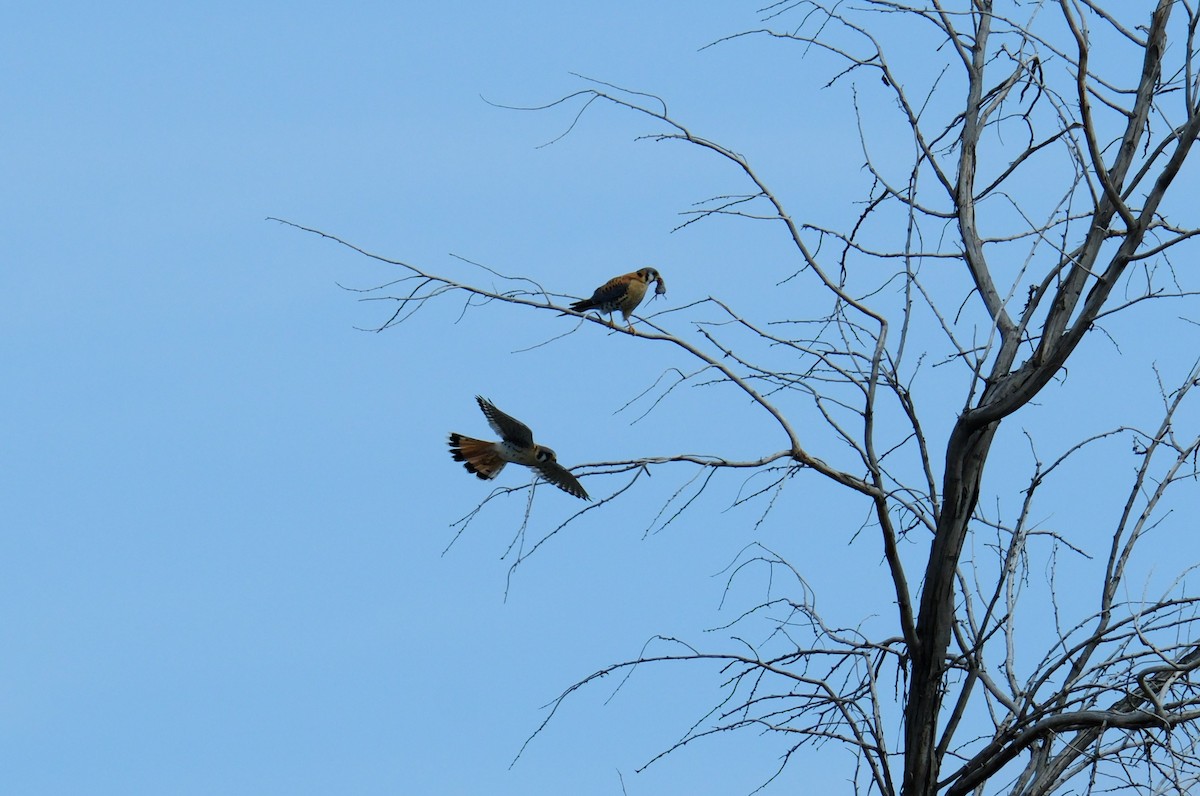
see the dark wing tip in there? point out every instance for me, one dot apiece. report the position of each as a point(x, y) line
point(561, 477)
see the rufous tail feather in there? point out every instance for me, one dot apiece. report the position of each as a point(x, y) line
point(477, 455)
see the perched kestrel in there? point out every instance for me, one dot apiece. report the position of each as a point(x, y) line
point(623, 293)
point(486, 459)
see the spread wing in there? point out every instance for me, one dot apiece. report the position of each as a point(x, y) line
point(556, 474)
point(509, 428)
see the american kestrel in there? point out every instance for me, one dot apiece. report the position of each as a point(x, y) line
point(486, 459)
point(623, 293)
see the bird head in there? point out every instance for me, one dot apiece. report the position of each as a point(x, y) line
point(545, 455)
point(648, 275)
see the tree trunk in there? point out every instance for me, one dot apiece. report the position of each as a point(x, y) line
point(965, 457)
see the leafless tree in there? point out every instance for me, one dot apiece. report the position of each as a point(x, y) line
point(1030, 209)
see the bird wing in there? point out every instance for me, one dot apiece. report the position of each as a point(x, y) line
point(607, 295)
point(558, 475)
point(509, 428)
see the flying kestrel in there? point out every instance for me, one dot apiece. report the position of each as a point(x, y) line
point(623, 293)
point(486, 459)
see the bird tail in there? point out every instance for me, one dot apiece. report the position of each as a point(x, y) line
point(583, 306)
point(477, 455)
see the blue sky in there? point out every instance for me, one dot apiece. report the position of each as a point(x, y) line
point(227, 510)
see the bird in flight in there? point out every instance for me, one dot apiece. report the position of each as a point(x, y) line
point(486, 459)
point(623, 293)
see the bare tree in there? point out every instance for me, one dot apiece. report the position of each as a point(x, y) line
point(1029, 210)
